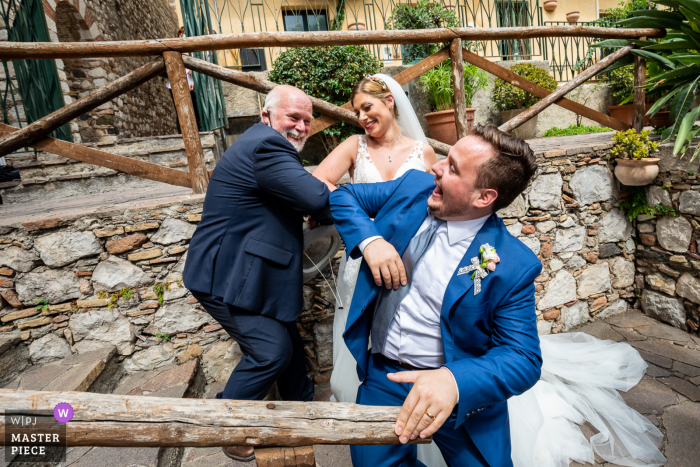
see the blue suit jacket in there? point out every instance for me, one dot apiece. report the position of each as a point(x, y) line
point(247, 248)
point(490, 340)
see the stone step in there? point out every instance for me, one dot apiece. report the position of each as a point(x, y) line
point(95, 371)
point(185, 380)
point(48, 176)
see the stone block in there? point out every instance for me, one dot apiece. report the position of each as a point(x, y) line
point(689, 202)
point(674, 233)
point(592, 184)
point(617, 308)
point(55, 309)
point(115, 273)
point(48, 349)
point(26, 313)
point(657, 195)
point(528, 230)
point(63, 248)
point(109, 232)
point(173, 231)
point(142, 255)
point(544, 327)
point(517, 209)
point(650, 397)
point(560, 290)
point(515, 229)
point(179, 316)
point(18, 259)
point(545, 191)
point(608, 250)
point(532, 243)
point(661, 283)
point(128, 243)
point(666, 309)
point(151, 358)
point(192, 352)
point(101, 328)
point(546, 226)
point(614, 227)
point(220, 359)
point(670, 163)
point(623, 272)
point(54, 285)
point(569, 239)
point(689, 287)
point(575, 315)
point(141, 227)
point(594, 279)
point(97, 303)
point(35, 323)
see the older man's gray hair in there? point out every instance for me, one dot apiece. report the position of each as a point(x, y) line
point(272, 99)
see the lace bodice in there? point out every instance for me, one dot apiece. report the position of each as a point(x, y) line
point(367, 172)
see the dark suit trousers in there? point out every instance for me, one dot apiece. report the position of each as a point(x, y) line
point(272, 351)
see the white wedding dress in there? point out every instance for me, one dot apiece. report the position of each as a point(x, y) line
point(580, 374)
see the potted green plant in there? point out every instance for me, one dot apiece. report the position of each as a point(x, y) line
point(631, 151)
point(439, 85)
point(621, 82)
point(512, 101)
point(422, 15)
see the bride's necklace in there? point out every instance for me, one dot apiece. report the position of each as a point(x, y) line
point(393, 147)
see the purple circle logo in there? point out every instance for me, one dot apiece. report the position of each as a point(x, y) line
point(63, 412)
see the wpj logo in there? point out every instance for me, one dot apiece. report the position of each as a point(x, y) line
point(36, 436)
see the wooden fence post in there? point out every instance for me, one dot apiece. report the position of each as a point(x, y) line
point(460, 99)
point(188, 121)
point(640, 74)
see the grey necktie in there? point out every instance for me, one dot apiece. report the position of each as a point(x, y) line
point(389, 300)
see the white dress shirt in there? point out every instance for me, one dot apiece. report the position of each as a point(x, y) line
point(414, 335)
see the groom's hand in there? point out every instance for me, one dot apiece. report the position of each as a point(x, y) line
point(385, 263)
point(434, 392)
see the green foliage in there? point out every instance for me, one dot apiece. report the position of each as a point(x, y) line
point(636, 204)
point(125, 293)
point(624, 9)
point(508, 97)
point(337, 22)
point(423, 15)
point(621, 82)
point(328, 73)
point(159, 290)
point(673, 77)
point(439, 84)
point(632, 145)
point(164, 337)
point(42, 304)
point(575, 130)
point(691, 172)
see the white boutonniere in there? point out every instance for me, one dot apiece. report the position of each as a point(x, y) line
point(481, 267)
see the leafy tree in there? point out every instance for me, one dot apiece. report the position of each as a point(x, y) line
point(328, 73)
point(508, 97)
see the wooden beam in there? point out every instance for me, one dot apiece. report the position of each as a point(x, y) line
point(188, 121)
point(553, 97)
point(332, 113)
point(142, 421)
point(63, 50)
point(45, 125)
point(127, 165)
point(460, 100)
point(539, 91)
point(640, 76)
point(302, 456)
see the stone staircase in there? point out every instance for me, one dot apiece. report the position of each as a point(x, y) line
point(46, 175)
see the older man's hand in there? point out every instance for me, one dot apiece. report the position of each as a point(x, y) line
point(434, 392)
point(385, 263)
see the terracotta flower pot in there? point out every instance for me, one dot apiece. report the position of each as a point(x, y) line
point(356, 27)
point(524, 131)
point(638, 172)
point(625, 113)
point(442, 125)
point(573, 16)
point(550, 5)
point(660, 119)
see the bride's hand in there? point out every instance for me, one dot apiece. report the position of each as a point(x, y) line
point(433, 392)
point(385, 263)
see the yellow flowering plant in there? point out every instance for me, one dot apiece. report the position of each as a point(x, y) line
point(632, 145)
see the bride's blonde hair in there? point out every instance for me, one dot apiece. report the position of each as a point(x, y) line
point(375, 87)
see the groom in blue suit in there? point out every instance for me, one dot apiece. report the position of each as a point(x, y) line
point(450, 341)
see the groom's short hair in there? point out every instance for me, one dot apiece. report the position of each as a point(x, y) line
point(510, 169)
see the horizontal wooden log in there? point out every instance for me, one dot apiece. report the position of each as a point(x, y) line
point(127, 165)
point(247, 80)
point(141, 421)
point(63, 50)
point(44, 126)
point(522, 83)
point(552, 98)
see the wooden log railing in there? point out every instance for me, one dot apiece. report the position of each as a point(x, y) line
point(142, 421)
point(171, 50)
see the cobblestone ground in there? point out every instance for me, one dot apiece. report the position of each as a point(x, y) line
point(668, 395)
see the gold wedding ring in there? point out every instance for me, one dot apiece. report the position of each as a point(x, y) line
point(430, 415)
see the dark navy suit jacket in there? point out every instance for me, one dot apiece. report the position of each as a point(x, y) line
point(247, 248)
point(490, 340)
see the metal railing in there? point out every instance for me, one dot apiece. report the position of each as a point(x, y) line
point(240, 16)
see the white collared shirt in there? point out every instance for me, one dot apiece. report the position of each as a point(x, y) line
point(414, 335)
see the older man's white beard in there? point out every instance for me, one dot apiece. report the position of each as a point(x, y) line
point(298, 145)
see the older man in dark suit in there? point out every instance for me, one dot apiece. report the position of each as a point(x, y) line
point(244, 263)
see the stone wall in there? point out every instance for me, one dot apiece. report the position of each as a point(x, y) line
point(667, 260)
point(114, 278)
point(145, 111)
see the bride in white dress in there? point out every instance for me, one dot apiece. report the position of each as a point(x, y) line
point(580, 374)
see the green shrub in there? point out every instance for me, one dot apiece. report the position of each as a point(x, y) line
point(438, 82)
point(621, 82)
point(422, 16)
point(508, 97)
point(632, 145)
point(328, 73)
point(636, 203)
point(575, 130)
